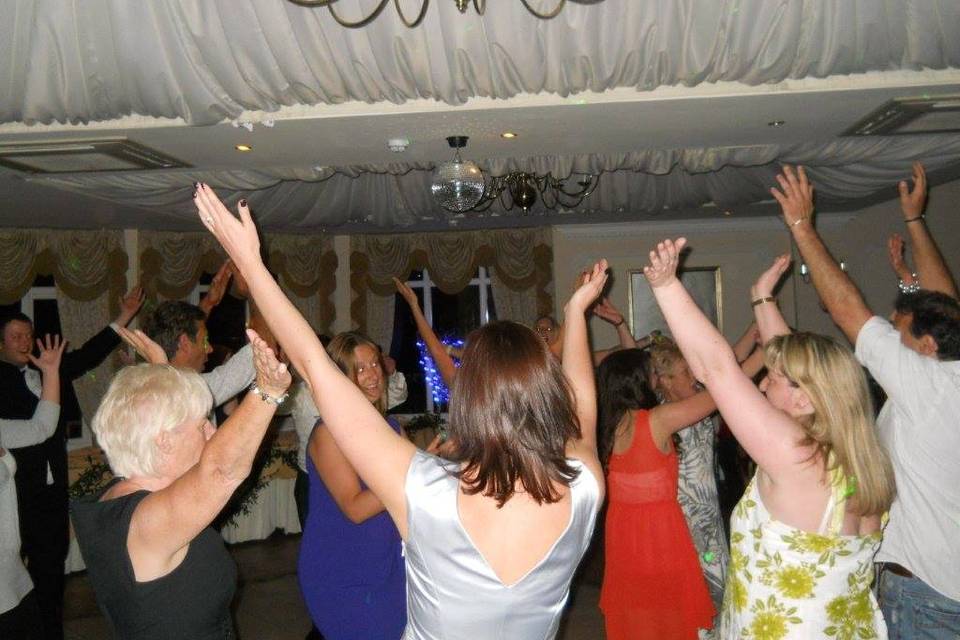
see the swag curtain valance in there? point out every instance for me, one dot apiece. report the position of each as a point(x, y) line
point(84, 264)
point(171, 265)
point(520, 261)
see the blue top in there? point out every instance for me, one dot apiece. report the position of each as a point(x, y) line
point(351, 575)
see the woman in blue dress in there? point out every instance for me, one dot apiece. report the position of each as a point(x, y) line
point(351, 568)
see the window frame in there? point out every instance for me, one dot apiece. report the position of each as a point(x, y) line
point(481, 280)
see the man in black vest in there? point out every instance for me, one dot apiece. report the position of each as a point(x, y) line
point(42, 469)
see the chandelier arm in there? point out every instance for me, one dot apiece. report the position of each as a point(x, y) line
point(548, 15)
point(417, 20)
point(313, 3)
point(360, 23)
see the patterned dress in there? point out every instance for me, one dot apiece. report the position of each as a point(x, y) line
point(697, 494)
point(785, 583)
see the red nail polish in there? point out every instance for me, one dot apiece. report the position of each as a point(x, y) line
point(243, 203)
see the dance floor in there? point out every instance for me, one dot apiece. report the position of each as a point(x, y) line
point(268, 604)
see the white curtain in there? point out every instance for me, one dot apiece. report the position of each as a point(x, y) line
point(399, 195)
point(81, 320)
point(380, 319)
point(98, 59)
point(519, 306)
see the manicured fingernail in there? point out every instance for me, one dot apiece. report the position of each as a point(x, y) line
point(243, 203)
point(194, 194)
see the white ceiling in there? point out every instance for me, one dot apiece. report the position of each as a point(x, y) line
point(592, 128)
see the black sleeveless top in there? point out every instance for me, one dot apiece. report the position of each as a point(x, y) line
point(192, 601)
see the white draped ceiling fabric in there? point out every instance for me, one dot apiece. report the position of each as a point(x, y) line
point(203, 62)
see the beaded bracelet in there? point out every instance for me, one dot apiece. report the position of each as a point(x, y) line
point(266, 397)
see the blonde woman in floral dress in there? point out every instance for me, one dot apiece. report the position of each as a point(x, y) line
point(804, 534)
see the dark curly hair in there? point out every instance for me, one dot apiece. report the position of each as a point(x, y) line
point(936, 315)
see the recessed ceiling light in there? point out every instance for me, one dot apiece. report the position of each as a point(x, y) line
point(776, 123)
point(243, 147)
point(508, 134)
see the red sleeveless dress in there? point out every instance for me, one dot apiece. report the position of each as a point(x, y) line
point(653, 586)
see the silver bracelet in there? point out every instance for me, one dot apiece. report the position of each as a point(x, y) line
point(913, 287)
point(266, 397)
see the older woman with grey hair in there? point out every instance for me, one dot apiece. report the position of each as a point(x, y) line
point(158, 569)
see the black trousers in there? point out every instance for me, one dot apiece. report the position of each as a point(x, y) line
point(45, 533)
point(23, 621)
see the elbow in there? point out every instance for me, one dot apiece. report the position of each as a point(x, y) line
point(222, 474)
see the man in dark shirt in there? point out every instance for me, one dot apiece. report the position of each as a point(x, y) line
point(41, 477)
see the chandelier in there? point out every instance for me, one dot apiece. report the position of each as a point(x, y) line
point(521, 189)
point(480, 6)
point(459, 186)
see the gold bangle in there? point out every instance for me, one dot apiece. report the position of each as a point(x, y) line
point(798, 221)
point(759, 301)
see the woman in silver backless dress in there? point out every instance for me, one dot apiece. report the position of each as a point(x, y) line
point(493, 538)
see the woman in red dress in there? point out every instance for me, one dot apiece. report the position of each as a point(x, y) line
point(652, 584)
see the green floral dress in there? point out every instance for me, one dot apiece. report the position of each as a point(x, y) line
point(785, 583)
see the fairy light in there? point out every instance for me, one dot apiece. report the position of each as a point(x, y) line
point(439, 390)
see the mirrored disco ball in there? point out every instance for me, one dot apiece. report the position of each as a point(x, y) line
point(457, 186)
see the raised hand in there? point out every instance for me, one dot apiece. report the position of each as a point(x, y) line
point(143, 345)
point(273, 377)
point(238, 237)
point(913, 200)
point(664, 260)
point(51, 352)
point(768, 280)
point(591, 283)
point(895, 248)
point(605, 309)
point(795, 195)
point(406, 293)
point(130, 305)
point(218, 287)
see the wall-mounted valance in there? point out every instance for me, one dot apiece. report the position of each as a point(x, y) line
point(84, 264)
point(171, 265)
point(520, 259)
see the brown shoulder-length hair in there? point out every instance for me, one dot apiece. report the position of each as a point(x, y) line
point(511, 415)
point(341, 350)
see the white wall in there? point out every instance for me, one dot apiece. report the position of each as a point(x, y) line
point(742, 248)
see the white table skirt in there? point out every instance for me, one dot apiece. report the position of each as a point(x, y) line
point(274, 508)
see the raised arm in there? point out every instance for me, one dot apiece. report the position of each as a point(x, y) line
point(43, 423)
point(767, 434)
point(931, 267)
point(907, 277)
point(218, 287)
point(577, 361)
point(167, 520)
point(835, 288)
point(380, 456)
point(607, 311)
point(770, 322)
point(448, 371)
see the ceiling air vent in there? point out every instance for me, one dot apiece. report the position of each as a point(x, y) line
point(910, 116)
point(81, 156)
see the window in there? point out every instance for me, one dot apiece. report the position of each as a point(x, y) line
point(39, 304)
point(451, 316)
point(227, 322)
